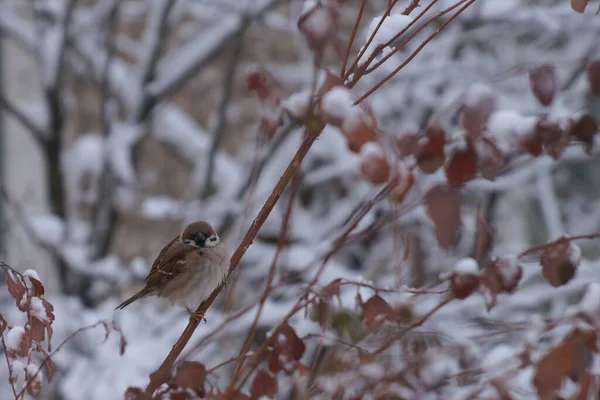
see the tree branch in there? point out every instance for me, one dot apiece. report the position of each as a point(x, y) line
point(163, 373)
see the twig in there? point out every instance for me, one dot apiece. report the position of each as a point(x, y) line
point(162, 374)
point(220, 129)
point(265, 295)
point(37, 131)
point(414, 53)
point(352, 36)
point(49, 356)
point(371, 38)
point(409, 8)
point(10, 370)
point(564, 239)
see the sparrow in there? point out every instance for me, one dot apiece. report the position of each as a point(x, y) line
point(188, 269)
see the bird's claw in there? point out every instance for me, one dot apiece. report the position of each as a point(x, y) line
point(198, 316)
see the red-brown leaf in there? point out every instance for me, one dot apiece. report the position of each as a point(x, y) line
point(489, 158)
point(579, 5)
point(264, 384)
point(191, 375)
point(462, 167)
point(360, 129)
point(37, 330)
point(553, 138)
point(462, 285)
point(542, 80)
point(568, 359)
point(583, 130)
point(374, 167)
point(287, 346)
point(500, 275)
point(443, 204)
point(430, 154)
point(402, 181)
point(593, 76)
point(476, 112)
point(375, 307)
point(559, 262)
point(38, 288)
point(3, 324)
point(407, 144)
point(134, 393)
point(17, 290)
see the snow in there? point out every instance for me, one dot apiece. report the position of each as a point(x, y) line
point(37, 309)
point(500, 359)
point(122, 138)
point(371, 149)
point(590, 303)
point(297, 105)
point(508, 127)
point(466, 266)
point(477, 94)
point(317, 20)
point(337, 103)
point(32, 274)
point(48, 229)
point(391, 26)
point(14, 337)
point(160, 208)
point(33, 369)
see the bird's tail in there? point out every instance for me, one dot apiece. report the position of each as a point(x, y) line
point(142, 293)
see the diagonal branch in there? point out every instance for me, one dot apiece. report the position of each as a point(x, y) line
point(37, 131)
point(163, 373)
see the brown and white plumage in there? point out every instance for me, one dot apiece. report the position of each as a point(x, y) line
point(188, 268)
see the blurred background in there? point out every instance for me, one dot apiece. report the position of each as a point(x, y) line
point(123, 120)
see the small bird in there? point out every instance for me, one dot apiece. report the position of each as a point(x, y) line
point(188, 269)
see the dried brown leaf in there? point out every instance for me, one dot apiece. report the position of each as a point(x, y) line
point(375, 168)
point(294, 346)
point(568, 359)
point(559, 262)
point(489, 158)
point(443, 205)
point(593, 76)
point(38, 288)
point(134, 393)
point(430, 154)
point(462, 167)
point(264, 384)
point(407, 144)
point(463, 285)
point(17, 290)
point(542, 80)
point(37, 329)
point(579, 5)
point(583, 130)
point(375, 307)
point(553, 138)
point(190, 374)
point(3, 324)
point(475, 114)
point(361, 128)
point(501, 275)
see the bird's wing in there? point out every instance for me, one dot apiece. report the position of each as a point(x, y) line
point(168, 264)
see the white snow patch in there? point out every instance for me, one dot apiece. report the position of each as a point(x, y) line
point(337, 103)
point(37, 309)
point(31, 273)
point(508, 127)
point(297, 105)
point(160, 207)
point(48, 229)
point(391, 26)
point(590, 303)
point(466, 266)
point(14, 337)
point(371, 149)
point(500, 359)
point(316, 20)
point(122, 138)
point(477, 94)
